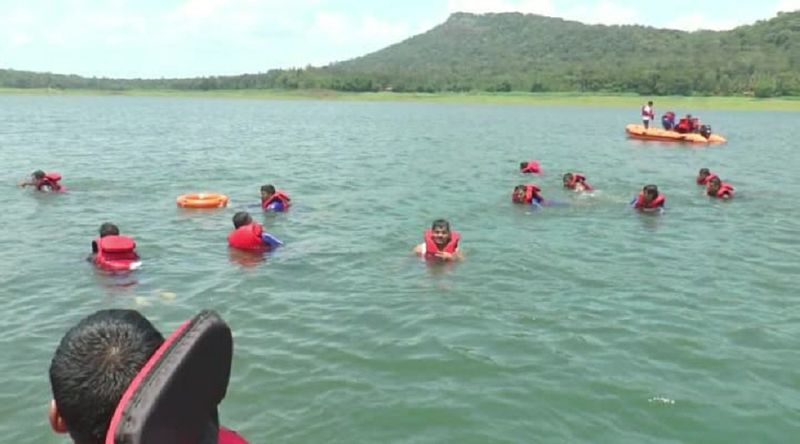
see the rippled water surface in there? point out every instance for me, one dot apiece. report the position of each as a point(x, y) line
point(584, 323)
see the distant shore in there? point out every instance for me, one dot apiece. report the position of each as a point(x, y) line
point(513, 98)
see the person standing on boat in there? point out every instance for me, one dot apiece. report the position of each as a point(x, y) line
point(648, 113)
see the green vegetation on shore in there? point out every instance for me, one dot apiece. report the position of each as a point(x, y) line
point(511, 52)
point(556, 99)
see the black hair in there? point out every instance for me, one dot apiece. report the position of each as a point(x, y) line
point(650, 190)
point(38, 174)
point(93, 366)
point(705, 171)
point(241, 219)
point(715, 179)
point(268, 188)
point(440, 223)
point(566, 175)
point(108, 229)
point(523, 165)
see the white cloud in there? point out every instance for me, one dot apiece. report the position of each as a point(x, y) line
point(603, 12)
point(344, 29)
point(543, 7)
point(694, 22)
point(787, 5)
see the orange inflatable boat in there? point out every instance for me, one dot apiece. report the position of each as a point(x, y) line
point(635, 131)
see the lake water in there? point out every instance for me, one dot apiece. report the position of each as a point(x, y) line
point(587, 323)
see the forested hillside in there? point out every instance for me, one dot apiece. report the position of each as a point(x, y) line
point(516, 52)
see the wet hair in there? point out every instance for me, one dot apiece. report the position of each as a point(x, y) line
point(93, 366)
point(523, 165)
point(108, 229)
point(650, 190)
point(704, 172)
point(241, 219)
point(38, 174)
point(715, 180)
point(441, 223)
point(268, 189)
point(567, 176)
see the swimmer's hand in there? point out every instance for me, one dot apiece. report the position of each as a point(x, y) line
point(445, 256)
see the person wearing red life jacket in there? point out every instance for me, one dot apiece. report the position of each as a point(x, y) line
point(250, 236)
point(703, 176)
point(649, 200)
point(274, 200)
point(113, 251)
point(576, 181)
point(685, 125)
point(530, 167)
point(44, 181)
point(92, 367)
point(648, 114)
point(719, 189)
point(440, 243)
point(527, 194)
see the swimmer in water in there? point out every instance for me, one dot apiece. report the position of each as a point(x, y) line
point(440, 243)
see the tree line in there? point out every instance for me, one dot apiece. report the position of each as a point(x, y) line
point(515, 52)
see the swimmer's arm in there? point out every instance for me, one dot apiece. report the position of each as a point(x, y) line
point(419, 249)
point(271, 240)
point(456, 256)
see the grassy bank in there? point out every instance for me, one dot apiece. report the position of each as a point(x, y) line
point(520, 98)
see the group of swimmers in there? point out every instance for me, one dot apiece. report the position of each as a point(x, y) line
point(116, 252)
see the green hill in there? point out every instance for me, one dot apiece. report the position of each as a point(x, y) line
point(517, 52)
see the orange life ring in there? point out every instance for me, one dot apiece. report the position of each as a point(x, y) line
point(202, 200)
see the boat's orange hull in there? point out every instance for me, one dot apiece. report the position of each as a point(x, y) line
point(635, 131)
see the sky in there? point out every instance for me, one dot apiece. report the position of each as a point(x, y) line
point(189, 38)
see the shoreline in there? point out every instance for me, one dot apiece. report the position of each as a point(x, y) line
point(512, 98)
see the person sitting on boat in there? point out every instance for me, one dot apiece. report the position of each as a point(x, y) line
point(648, 114)
point(684, 125)
point(44, 181)
point(719, 189)
point(576, 182)
point(92, 367)
point(250, 236)
point(440, 243)
point(704, 175)
point(649, 199)
point(668, 120)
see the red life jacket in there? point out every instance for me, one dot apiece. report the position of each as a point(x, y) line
point(279, 195)
point(115, 253)
point(50, 180)
point(683, 126)
point(532, 167)
point(531, 191)
point(724, 188)
point(576, 179)
point(247, 237)
point(431, 248)
point(655, 203)
point(229, 437)
point(705, 180)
